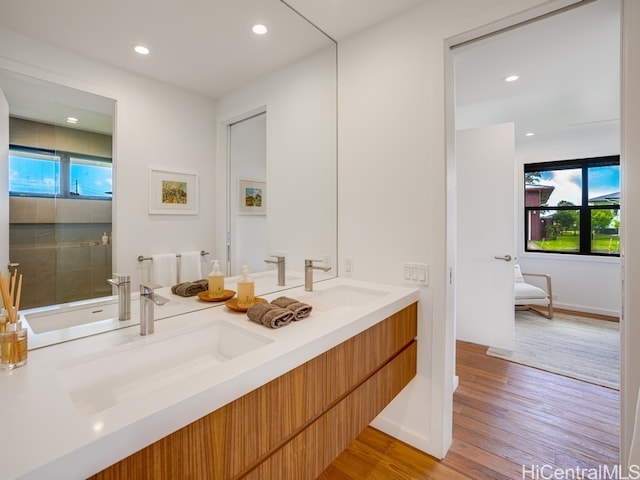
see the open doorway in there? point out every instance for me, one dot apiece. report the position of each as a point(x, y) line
point(247, 219)
point(564, 104)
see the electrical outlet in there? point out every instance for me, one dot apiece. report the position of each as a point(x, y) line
point(348, 266)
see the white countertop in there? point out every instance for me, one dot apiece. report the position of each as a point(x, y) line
point(44, 434)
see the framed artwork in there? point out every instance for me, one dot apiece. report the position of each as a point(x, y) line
point(253, 196)
point(173, 193)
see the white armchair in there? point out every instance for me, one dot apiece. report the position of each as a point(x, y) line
point(528, 295)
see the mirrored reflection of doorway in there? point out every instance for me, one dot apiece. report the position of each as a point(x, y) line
point(247, 218)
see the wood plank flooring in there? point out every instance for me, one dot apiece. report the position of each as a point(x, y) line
point(505, 416)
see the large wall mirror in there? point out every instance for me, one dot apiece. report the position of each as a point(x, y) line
point(60, 190)
point(84, 235)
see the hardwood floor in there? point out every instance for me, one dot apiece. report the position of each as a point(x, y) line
point(506, 416)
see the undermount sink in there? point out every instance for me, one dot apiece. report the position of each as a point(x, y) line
point(341, 297)
point(105, 379)
point(73, 315)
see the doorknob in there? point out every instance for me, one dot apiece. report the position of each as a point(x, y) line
point(506, 258)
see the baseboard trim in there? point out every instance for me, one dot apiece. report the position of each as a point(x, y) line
point(580, 313)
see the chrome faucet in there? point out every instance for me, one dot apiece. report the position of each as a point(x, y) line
point(309, 267)
point(123, 286)
point(147, 301)
point(280, 262)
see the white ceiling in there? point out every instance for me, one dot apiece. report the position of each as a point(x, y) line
point(205, 46)
point(569, 68)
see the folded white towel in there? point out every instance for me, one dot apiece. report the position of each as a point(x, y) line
point(190, 267)
point(164, 269)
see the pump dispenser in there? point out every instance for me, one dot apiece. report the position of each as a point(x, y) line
point(246, 289)
point(216, 281)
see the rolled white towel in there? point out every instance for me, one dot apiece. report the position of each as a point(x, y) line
point(164, 269)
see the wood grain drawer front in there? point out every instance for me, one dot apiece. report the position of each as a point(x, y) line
point(237, 437)
point(308, 454)
point(358, 357)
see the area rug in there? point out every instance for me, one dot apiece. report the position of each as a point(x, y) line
point(577, 347)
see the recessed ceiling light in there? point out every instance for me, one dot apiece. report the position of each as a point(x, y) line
point(511, 78)
point(259, 29)
point(72, 120)
point(141, 49)
point(529, 134)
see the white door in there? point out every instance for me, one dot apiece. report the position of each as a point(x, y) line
point(4, 183)
point(485, 185)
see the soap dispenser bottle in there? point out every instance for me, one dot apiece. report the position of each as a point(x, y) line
point(216, 281)
point(246, 289)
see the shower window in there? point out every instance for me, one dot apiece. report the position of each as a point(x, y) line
point(34, 173)
point(58, 174)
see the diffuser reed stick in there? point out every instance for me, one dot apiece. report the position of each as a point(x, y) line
point(13, 337)
point(11, 297)
point(18, 295)
point(6, 298)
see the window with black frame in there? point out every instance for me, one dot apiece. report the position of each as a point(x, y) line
point(573, 206)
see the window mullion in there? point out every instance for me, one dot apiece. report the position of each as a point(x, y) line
point(65, 182)
point(585, 214)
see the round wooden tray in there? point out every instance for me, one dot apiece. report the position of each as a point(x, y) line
point(233, 304)
point(227, 294)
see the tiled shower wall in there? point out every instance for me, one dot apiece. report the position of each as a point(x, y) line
point(58, 243)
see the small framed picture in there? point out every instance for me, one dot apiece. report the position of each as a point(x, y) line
point(253, 196)
point(173, 193)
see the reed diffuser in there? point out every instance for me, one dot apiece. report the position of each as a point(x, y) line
point(13, 337)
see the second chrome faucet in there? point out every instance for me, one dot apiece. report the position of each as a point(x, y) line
point(309, 267)
point(148, 300)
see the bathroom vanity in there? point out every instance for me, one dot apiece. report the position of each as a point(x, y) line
point(212, 394)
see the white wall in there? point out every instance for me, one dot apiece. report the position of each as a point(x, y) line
point(589, 285)
point(157, 125)
point(301, 155)
point(392, 185)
